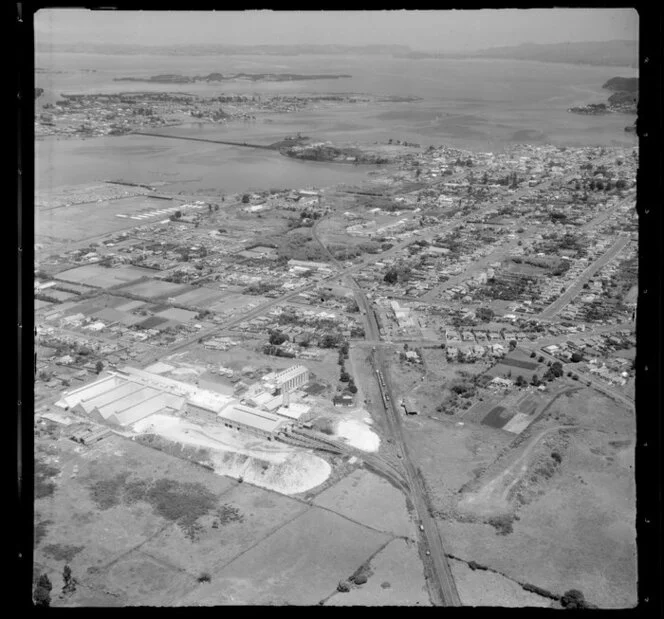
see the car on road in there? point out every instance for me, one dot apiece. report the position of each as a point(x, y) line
point(428, 553)
point(421, 527)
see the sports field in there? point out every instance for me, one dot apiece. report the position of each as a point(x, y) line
point(103, 277)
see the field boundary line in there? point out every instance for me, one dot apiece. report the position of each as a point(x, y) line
point(368, 560)
point(137, 547)
point(366, 526)
point(268, 534)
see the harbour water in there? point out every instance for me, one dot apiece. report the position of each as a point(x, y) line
point(478, 104)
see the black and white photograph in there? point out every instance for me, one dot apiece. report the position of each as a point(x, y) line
point(335, 308)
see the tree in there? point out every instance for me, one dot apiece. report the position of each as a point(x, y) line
point(99, 366)
point(70, 582)
point(512, 344)
point(391, 276)
point(533, 355)
point(573, 599)
point(277, 338)
point(42, 592)
point(557, 369)
point(351, 387)
point(344, 377)
point(245, 198)
point(576, 357)
point(329, 341)
point(521, 381)
point(535, 381)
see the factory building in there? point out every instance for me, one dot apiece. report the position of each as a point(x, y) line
point(262, 423)
point(119, 402)
point(289, 379)
point(206, 406)
point(125, 397)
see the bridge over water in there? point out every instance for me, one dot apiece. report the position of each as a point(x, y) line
point(182, 137)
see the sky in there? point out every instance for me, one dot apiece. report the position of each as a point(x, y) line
point(420, 30)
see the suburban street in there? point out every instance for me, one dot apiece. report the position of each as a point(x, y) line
point(574, 289)
point(596, 383)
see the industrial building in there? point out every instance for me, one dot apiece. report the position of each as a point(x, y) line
point(253, 420)
point(118, 401)
point(205, 406)
point(127, 396)
point(288, 380)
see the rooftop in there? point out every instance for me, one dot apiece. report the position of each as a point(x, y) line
point(253, 417)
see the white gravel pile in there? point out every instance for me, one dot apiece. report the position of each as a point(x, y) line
point(272, 465)
point(358, 434)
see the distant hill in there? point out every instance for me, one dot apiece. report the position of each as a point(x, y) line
point(624, 84)
point(230, 50)
point(607, 53)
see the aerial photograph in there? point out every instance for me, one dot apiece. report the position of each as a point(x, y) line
point(335, 308)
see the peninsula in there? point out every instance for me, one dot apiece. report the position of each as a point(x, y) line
point(624, 99)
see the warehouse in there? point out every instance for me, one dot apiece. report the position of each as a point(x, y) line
point(266, 401)
point(122, 402)
point(123, 398)
point(252, 420)
point(205, 406)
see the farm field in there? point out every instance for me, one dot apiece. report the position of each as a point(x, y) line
point(450, 455)
point(86, 523)
point(395, 578)
point(155, 289)
point(301, 563)
point(177, 314)
point(200, 297)
point(571, 518)
point(251, 514)
point(231, 301)
point(113, 522)
point(103, 277)
point(369, 500)
point(485, 588)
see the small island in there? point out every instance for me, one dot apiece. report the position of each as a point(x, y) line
point(172, 78)
point(305, 149)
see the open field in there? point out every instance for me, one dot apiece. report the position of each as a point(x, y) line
point(396, 578)
point(177, 314)
point(103, 277)
point(252, 514)
point(140, 527)
point(308, 556)
point(370, 500)
point(80, 222)
point(562, 504)
point(86, 513)
point(155, 289)
point(228, 301)
point(450, 455)
point(486, 588)
point(200, 297)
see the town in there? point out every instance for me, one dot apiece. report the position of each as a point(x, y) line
point(334, 325)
